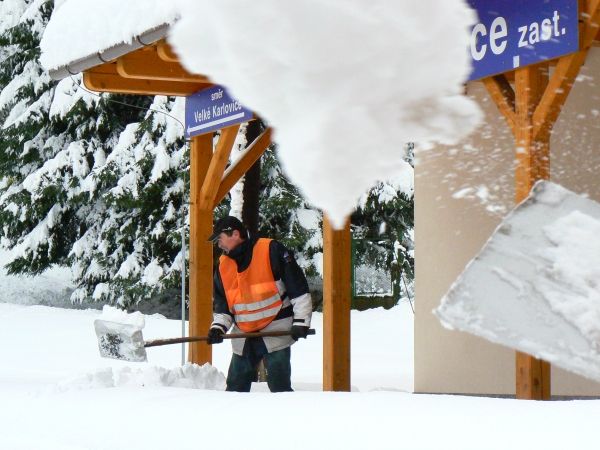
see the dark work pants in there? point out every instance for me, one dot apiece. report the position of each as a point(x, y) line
point(242, 370)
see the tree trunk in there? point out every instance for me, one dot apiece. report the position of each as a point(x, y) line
point(252, 183)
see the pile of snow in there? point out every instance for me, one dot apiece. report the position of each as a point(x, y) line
point(344, 83)
point(534, 285)
point(53, 287)
point(190, 376)
point(112, 314)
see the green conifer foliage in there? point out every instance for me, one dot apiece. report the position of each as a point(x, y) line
point(98, 182)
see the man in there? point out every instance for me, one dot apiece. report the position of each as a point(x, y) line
point(258, 286)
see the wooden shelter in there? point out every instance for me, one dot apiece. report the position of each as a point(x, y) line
point(155, 70)
point(530, 99)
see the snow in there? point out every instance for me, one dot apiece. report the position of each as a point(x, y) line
point(53, 287)
point(10, 11)
point(189, 376)
point(112, 314)
point(534, 285)
point(79, 28)
point(40, 234)
point(152, 273)
point(58, 394)
point(574, 261)
point(344, 84)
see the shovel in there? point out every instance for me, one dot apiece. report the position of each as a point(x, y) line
point(125, 341)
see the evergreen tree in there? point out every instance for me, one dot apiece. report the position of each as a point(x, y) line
point(285, 215)
point(97, 182)
point(75, 186)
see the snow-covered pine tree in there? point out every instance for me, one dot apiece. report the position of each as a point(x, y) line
point(130, 248)
point(284, 215)
point(39, 156)
point(98, 185)
point(81, 181)
point(382, 227)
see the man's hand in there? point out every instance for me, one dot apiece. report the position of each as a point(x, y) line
point(215, 336)
point(299, 331)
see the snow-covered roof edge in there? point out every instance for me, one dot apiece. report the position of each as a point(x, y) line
point(79, 65)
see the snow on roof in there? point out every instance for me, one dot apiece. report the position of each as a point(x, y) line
point(79, 29)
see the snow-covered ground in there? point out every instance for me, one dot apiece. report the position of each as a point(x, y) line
point(58, 394)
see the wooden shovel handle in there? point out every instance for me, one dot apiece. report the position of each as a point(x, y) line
point(157, 342)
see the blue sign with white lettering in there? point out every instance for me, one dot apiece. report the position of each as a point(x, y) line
point(212, 109)
point(517, 33)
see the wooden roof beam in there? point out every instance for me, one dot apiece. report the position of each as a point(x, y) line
point(555, 95)
point(237, 170)
point(105, 78)
point(591, 19)
point(566, 71)
point(146, 64)
point(165, 52)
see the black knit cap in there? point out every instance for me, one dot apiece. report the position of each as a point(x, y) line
point(228, 223)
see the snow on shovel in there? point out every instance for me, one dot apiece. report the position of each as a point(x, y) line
point(535, 285)
point(125, 341)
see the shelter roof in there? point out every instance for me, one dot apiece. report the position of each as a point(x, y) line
point(85, 33)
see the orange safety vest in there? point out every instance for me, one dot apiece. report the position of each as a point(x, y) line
point(252, 295)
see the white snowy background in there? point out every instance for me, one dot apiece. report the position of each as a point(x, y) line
point(58, 394)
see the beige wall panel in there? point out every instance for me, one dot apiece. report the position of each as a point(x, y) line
point(461, 194)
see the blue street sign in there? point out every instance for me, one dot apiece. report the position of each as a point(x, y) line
point(517, 33)
point(212, 109)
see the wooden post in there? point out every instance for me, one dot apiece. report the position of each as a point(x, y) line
point(201, 256)
point(336, 307)
point(533, 164)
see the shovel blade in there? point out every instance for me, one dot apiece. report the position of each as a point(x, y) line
point(120, 341)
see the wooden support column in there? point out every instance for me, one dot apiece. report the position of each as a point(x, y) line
point(206, 170)
point(336, 307)
point(533, 163)
point(201, 256)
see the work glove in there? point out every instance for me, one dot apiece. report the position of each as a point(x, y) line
point(299, 331)
point(215, 336)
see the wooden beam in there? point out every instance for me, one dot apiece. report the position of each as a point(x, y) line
point(237, 170)
point(591, 19)
point(201, 256)
point(105, 78)
point(533, 163)
point(336, 307)
point(503, 96)
point(555, 95)
point(146, 64)
point(165, 52)
point(533, 378)
point(566, 71)
point(533, 157)
point(217, 166)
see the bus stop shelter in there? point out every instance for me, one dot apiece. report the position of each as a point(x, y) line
point(529, 97)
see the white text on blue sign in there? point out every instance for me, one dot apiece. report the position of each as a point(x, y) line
point(512, 34)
